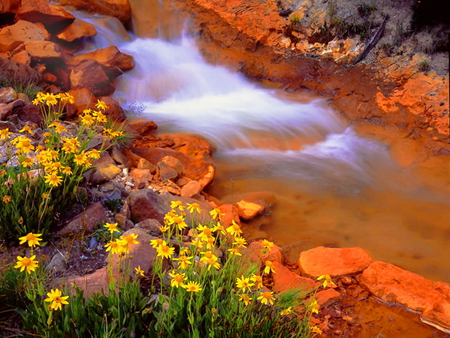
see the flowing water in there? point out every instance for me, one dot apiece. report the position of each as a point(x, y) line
point(333, 186)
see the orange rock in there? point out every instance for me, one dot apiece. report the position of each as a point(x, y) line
point(111, 58)
point(12, 36)
point(9, 6)
point(140, 177)
point(327, 295)
point(397, 286)
point(76, 30)
point(255, 252)
point(85, 222)
point(54, 18)
point(42, 49)
point(333, 261)
point(90, 74)
point(284, 280)
point(231, 214)
point(248, 210)
point(118, 8)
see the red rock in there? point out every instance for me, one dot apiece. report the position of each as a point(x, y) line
point(191, 189)
point(54, 18)
point(140, 177)
point(193, 145)
point(93, 283)
point(327, 295)
point(248, 210)
point(333, 261)
point(22, 57)
point(251, 204)
point(255, 252)
point(90, 74)
point(83, 99)
point(12, 36)
point(76, 30)
point(143, 127)
point(111, 58)
point(284, 280)
point(397, 286)
point(115, 111)
point(42, 49)
point(86, 221)
point(9, 6)
point(117, 8)
point(231, 214)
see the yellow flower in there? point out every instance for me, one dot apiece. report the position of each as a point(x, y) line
point(113, 246)
point(234, 251)
point(67, 171)
point(197, 243)
point(130, 239)
point(32, 239)
point(94, 154)
point(6, 199)
point(266, 297)
point(177, 205)
point(269, 267)
point(287, 311)
point(26, 263)
point(66, 97)
point(192, 286)
point(257, 280)
point(244, 283)
point(234, 229)
point(216, 213)
point(112, 227)
point(205, 232)
point(82, 159)
point(183, 261)
point(53, 180)
point(101, 105)
point(219, 228)
point(314, 307)
point(246, 299)
point(157, 242)
point(71, 145)
point(267, 244)
point(50, 99)
point(59, 128)
point(316, 329)
point(326, 280)
point(57, 300)
point(27, 162)
point(164, 228)
point(87, 120)
point(23, 144)
point(165, 251)
point(26, 129)
point(177, 279)
point(178, 220)
point(210, 259)
point(4, 134)
point(100, 117)
point(194, 207)
point(139, 271)
point(240, 242)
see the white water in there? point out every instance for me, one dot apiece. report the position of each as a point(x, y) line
point(333, 186)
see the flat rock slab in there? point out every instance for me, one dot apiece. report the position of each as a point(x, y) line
point(397, 286)
point(333, 261)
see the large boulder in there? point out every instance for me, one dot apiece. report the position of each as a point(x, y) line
point(9, 6)
point(77, 30)
point(118, 8)
point(333, 261)
point(42, 50)
point(12, 36)
point(90, 74)
point(54, 18)
point(394, 285)
point(111, 58)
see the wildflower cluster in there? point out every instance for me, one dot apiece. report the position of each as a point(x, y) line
point(44, 171)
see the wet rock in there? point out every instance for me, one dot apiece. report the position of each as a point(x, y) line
point(117, 8)
point(143, 127)
point(284, 280)
point(192, 145)
point(397, 286)
point(251, 204)
point(231, 214)
point(333, 261)
point(326, 296)
point(85, 222)
point(54, 18)
point(77, 30)
point(113, 61)
point(12, 36)
point(90, 74)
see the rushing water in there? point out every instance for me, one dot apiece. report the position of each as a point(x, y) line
point(333, 186)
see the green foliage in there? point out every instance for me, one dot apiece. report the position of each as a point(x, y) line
point(42, 179)
point(424, 66)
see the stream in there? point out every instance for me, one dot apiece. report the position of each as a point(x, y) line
point(333, 186)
